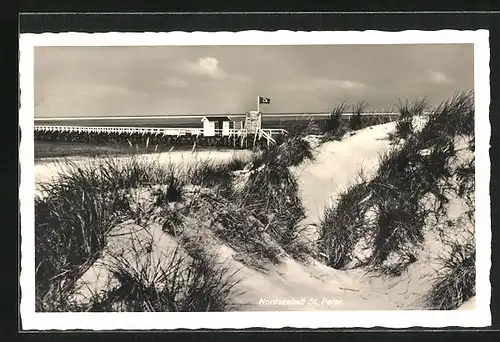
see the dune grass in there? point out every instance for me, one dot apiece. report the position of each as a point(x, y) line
point(422, 165)
point(175, 283)
point(210, 174)
point(264, 209)
point(355, 121)
point(407, 112)
point(343, 224)
point(273, 193)
point(455, 282)
point(334, 126)
point(76, 212)
point(337, 125)
point(71, 223)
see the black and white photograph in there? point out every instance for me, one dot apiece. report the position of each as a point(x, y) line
point(255, 179)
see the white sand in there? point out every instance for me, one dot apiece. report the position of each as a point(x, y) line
point(48, 170)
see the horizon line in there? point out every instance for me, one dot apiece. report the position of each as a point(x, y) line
point(323, 113)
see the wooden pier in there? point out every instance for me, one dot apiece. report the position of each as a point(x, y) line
point(241, 130)
point(160, 135)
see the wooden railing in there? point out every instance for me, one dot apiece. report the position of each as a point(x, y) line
point(151, 130)
point(121, 130)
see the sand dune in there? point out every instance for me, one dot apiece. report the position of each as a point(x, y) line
point(313, 286)
point(337, 164)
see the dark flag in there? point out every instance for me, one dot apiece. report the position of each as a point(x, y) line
point(264, 100)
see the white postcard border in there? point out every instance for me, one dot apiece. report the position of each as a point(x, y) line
point(478, 317)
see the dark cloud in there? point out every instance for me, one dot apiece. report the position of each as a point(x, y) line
point(94, 81)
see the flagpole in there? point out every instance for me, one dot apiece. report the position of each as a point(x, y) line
point(258, 104)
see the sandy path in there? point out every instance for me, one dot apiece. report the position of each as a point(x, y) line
point(313, 287)
point(316, 286)
point(337, 164)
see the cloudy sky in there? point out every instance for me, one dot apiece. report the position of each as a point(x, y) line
point(107, 81)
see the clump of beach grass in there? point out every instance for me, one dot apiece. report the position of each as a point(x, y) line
point(245, 231)
point(335, 126)
point(269, 197)
point(72, 219)
point(302, 127)
point(272, 192)
point(355, 121)
point(176, 282)
point(465, 175)
point(218, 175)
point(342, 225)
point(172, 192)
point(291, 152)
point(455, 282)
point(407, 112)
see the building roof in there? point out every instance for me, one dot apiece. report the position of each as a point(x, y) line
point(217, 118)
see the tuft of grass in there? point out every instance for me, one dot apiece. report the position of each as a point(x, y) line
point(400, 222)
point(216, 175)
point(175, 283)
point(240, 227)
point(291, 152)
point(70, 232)
point(404, 178)
point(404, 127)
point(355, 121)
point(408, 174)
point(456, 281)
point(407, 111)
point(171, 193)
point(342, 225)
point(260, 216)
point(335, 127)
point(296, 150)
point(465, 174)
point(452, 118)
point(173, 222)
point(233, 222)
point(271, 193)
point(71, 222)
point(302, 128)
point(411, 109)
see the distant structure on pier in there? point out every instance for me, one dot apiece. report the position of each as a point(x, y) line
point(253, 121)
point(217, 125)
point(225, 125)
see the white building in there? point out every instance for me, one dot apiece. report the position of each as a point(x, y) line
point(217, 125)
